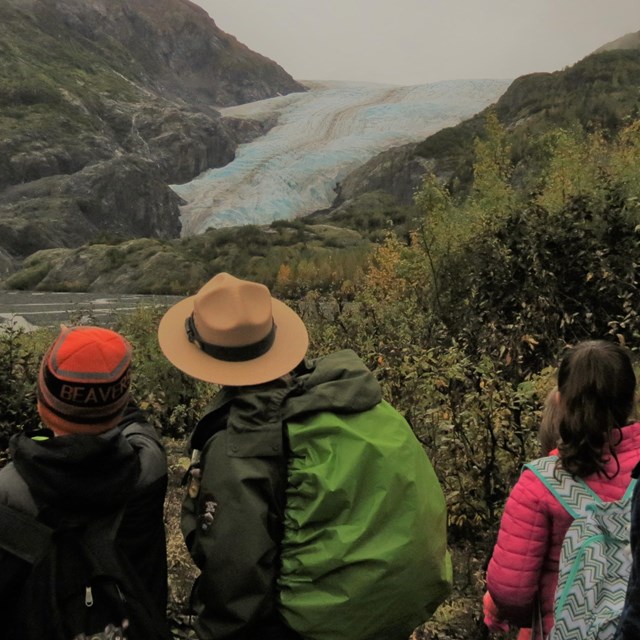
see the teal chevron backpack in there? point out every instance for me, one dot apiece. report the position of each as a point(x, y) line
point(595, 560)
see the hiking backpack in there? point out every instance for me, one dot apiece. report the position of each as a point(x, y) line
point(78, 586)
point(595, 559)
point(364, 550)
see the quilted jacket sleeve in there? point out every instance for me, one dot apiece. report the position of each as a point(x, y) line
point(515, 568)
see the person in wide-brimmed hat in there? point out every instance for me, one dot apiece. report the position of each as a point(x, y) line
point(240, 494)
point(233, 333)
point(95, 459)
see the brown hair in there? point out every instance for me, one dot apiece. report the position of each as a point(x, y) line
point(597, 385)
point(549, 431)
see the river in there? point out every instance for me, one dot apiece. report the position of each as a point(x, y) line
point(34, 308)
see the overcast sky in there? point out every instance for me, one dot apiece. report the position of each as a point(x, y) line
point(420, 41)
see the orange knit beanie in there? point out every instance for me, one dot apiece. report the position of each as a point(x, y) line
point(83, 384)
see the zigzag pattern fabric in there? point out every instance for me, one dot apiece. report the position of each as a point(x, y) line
point(595, 560)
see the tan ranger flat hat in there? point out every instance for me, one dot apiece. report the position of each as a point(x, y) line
point(232, 332)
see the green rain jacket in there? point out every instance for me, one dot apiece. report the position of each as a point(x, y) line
point(234, 510)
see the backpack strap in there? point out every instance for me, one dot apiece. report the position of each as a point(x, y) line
point(26, 537)
point(629, 492)
point(572, 493)
point(23, 535)
point(101, 534)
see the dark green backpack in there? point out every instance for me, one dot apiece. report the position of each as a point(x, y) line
point(364, 550)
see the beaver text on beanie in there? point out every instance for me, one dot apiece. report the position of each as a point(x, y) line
point(83, 384)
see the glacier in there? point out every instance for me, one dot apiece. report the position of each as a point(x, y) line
point(320, 136)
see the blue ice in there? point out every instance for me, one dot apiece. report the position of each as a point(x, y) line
point(321, 136)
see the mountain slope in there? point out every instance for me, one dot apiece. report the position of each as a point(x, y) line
point(598, 93)
point(105, 102)
point(628, 41)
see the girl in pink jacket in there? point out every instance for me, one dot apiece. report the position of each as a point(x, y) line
point(596, 391)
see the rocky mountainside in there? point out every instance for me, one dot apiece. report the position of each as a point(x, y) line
point(599, 91)
point(103, 103)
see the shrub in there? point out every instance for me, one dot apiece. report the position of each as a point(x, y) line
point(172, 400)
point(20, 356)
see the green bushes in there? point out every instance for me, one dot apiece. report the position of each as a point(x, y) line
point(20, 355)
point(28, 92)
point(30, 275)
point(320, 255)
point(173, 402)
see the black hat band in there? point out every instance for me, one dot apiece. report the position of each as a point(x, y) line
point(230, 354)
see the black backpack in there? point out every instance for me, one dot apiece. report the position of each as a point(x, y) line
point(79, 585)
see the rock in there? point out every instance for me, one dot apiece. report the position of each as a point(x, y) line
point(398, 172)
point(120, 105)
point(11, 322)
point(124, 196)
point(183, 143)
point(7, 264)
point(245, 130)
point(141, 205)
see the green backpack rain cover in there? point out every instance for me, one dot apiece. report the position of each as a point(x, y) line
point(364, 547)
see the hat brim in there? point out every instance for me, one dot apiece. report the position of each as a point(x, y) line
point(288, 349)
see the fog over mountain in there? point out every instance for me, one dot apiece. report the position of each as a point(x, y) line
point(321, 135)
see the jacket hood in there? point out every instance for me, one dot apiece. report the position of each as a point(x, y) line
point(339, 382)
point(77, 473)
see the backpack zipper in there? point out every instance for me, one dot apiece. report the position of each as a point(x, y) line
point(88, 595)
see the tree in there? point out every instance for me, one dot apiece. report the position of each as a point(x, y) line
point(576, 163)
point(491, 194)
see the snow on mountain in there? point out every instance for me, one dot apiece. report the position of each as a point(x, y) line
point(321, 136)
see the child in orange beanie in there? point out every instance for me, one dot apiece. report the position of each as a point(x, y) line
point(95, 459)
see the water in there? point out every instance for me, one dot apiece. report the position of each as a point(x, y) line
point(321, 136)
point(29, 309)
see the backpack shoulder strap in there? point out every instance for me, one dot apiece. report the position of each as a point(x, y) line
point(98, 541)
point(629, 492)
point(26, 537)
point(23, 535)
point(104, 529)
point(572, 493)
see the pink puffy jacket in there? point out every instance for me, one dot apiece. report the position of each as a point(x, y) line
point(526, 555)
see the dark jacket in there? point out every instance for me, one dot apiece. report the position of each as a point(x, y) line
point(93, 476)
point(629, 626)
point(242, 443)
